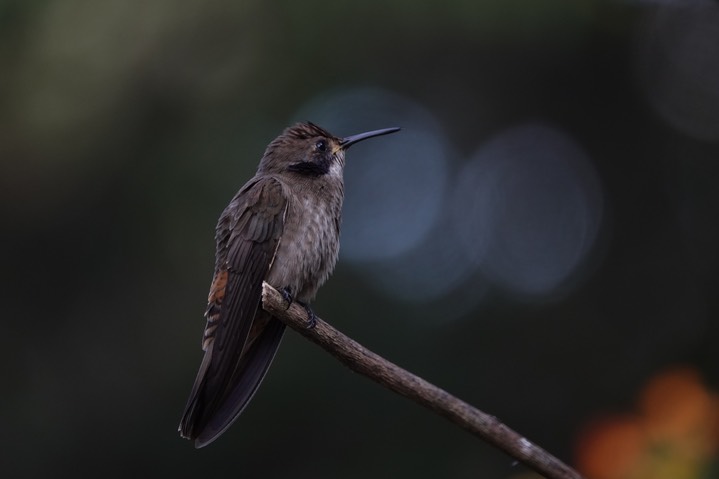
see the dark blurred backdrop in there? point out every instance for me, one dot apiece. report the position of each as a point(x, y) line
point(540, 240)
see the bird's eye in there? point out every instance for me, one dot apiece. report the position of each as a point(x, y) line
point(321, 145)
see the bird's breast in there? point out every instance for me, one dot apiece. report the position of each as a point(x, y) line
point(309, 245)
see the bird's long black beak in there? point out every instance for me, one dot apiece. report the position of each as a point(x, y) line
point(351, 140)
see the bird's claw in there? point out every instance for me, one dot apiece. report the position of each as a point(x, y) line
point(311, 316)
point(287, 296)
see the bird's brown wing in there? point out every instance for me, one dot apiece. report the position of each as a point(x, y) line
point(240, 337)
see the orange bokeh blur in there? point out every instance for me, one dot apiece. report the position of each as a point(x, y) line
point(673, 433)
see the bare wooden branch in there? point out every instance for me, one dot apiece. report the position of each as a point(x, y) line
point(365, 362)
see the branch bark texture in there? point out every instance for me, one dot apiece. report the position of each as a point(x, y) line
point(391, 376)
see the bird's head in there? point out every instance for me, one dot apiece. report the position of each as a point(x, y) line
point(307, 150)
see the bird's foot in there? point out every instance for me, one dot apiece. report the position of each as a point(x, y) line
point(311, 316)
point(287, 296)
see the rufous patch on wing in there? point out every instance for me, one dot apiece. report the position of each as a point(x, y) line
point(217, 289)
point(214, 302)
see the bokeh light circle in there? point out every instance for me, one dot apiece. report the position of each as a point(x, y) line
point(678, 66)
point(527, 209)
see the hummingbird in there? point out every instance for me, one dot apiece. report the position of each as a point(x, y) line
point(282, 227)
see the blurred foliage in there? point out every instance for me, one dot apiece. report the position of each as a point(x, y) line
point(126, 126)
point(674, 434)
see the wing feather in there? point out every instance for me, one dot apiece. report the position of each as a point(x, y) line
point(248, 234)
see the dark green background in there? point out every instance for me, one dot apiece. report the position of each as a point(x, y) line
point(125, 127)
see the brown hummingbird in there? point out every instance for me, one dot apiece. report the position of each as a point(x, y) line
point(282, 227)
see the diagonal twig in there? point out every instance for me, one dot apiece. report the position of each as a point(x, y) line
point(365, 362)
